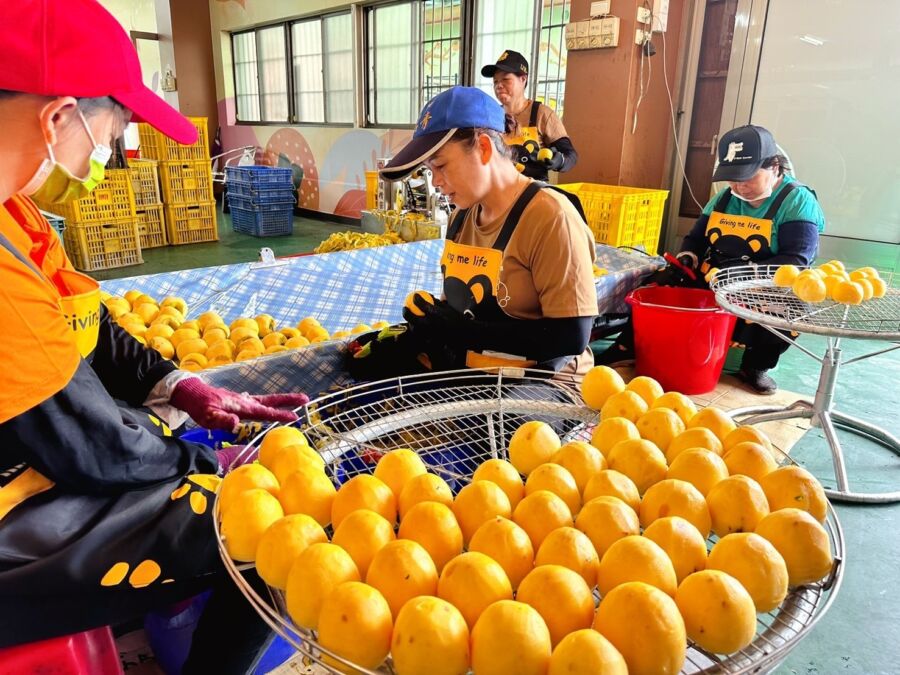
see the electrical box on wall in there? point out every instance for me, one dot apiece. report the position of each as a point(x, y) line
point(595, 33)
point(660, 15)
point(582, 34)
point(604, 32)
point(168, 81)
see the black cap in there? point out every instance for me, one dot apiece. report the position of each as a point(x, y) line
point(742, 152)
point(510, 62)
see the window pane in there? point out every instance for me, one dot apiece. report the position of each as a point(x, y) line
point(393, 64)
point(501, 25)
point(273, 74)
point(551, 66)
point(309, 91)
point(441, 46)
point(338, 68)
point(246, 86)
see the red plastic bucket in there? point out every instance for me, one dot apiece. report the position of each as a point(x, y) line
point(681, 337)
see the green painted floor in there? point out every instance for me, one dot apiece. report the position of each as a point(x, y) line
point(861, 631)
point(231, 248)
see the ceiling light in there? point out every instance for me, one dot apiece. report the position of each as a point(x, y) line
point(812, 40)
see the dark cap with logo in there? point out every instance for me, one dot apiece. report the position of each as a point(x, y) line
point(510, 62)
point(742, 152)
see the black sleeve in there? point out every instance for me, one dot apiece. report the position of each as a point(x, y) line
point(537, 339)
point(695, 240)
point(125, 367)
point(564, 147)
point(80, 439)
point(798, 243)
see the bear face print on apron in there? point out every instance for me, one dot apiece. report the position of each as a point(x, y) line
point(739, 238)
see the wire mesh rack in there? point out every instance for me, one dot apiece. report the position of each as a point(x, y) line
point(457, 420)
point(749, 292)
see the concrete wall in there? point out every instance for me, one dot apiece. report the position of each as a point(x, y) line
point(602, 91)
point(194, 62)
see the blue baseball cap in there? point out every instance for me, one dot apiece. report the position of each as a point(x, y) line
point(742, 152)
point(451, 110)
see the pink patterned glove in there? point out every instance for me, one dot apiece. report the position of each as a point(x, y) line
point(214, 408)
point(230, 458)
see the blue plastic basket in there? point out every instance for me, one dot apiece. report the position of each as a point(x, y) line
point(248, 204)
point(58, 223)
point(259, 175)
point(213, 438)
point(266, 223)
point(261, 194)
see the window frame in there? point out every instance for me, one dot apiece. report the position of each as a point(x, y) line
point(464, 10)
point(287, 27)
point(364, 109)
point(369, 108)
point(290, 80)
point(294, 119)
point(531, 90)
point(540, 29)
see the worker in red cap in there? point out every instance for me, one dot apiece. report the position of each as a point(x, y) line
point(104, 513)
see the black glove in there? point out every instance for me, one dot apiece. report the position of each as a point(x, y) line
point(555, 161)
point(438, 322)
point(540, 340)
point(679, 272)
point(390, 352)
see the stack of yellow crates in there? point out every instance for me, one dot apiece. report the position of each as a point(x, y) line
point(101, 229)
point(147, 202)
point(185, 173)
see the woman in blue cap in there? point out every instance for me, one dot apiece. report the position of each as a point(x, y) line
point(763, 217)
point(518, 258)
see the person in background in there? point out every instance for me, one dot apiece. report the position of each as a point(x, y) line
point(518, 258)
point(764, 217)
point(538, 137)
point(104, 512)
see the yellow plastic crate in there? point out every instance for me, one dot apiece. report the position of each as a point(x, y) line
point(620, 215)
point(191, 223)
point(152, 226)
point(371, 189)
point(113, 199)
point(186, 182)
point(154, 145)
point(144, 182)
point(104, 245)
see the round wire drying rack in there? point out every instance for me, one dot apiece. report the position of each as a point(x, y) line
point(455, 421)
point(750, 293)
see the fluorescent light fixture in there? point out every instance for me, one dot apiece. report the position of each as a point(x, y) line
point(812, 40)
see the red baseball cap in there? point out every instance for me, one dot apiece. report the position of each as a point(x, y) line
point(77, 48)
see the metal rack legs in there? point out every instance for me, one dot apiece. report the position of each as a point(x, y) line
point(822, 414)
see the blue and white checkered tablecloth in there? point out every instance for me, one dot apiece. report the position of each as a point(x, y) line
point(341, 290)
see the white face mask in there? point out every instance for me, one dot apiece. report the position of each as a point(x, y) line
point(765, 194)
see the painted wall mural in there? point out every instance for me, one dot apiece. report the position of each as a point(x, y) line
point(288, 148)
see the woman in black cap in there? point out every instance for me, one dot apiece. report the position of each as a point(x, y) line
point(763, 217)
point(538, 136)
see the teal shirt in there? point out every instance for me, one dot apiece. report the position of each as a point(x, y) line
point(799, 205)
